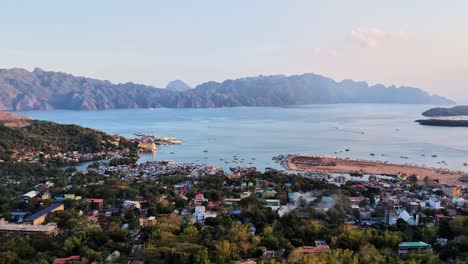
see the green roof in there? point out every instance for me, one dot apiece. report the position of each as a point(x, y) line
point(413, 244)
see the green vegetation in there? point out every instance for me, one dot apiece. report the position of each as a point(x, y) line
point(41, 137)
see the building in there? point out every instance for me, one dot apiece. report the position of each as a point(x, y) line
point(453, 191)
point(71, 196)
point(97, 204)
point(274, 204)
point(321, 247)
point(26, 230)
point(69, 260)
point(413, 248)
point(130, 205)
point(199, 199)
point(147, 221)
point(199, 214)
point(39, 217)
point(147, 146)
point(391, 217)
point(434, 203)
point(45, 196)
point(410, 219)
point(29, 195)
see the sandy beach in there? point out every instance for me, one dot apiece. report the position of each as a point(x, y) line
point(339, 165)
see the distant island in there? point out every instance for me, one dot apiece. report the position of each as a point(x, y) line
point(443, 122)
point(461, 110)
point(22, 90)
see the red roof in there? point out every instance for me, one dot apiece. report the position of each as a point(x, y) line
point(199, 195)
point(356, 199)
point(313, 250)
point(66, 260)
point(60, 261)
point(97, 200)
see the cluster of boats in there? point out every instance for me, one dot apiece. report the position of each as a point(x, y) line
point(341, 151)
point(235, 159)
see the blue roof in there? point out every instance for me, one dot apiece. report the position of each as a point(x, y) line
point(19, 213)
point(413, 244)
point(42, 212)
point(235, 212)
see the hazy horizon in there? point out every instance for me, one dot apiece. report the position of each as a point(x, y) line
point(419, 44)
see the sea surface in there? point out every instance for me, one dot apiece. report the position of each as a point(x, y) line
point(258, 134)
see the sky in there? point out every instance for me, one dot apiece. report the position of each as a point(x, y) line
point(420, 43)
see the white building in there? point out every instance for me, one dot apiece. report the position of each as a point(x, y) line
point(434, 203)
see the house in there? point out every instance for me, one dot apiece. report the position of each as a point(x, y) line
point(410, 219)
point(39, 217)
point(310, 250)
point(199, 214)
point(69, 260)
point(71, 196)
point(356, 200)
point(390, 217)
point(127, 204)
point(453, 191)
point(199, 199)
point(320, 247)
point(434, 203)
point(274, 204)
point(147, 221)
point(97, 204)
point(413, 248)
point(45, 196)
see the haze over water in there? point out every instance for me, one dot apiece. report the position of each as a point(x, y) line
point(262, 133)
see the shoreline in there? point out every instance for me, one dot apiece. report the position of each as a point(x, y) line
point(322, 163)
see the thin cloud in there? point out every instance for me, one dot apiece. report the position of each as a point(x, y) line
point(372, 37)
point(324, 52)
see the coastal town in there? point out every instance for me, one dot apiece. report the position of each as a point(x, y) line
point(146, 205)
point(317, 209)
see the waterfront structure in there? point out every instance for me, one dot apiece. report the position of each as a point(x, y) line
point(147, 146)
point(26, 230)
point(39, 217)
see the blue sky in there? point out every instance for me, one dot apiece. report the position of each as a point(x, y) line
point(415, 43)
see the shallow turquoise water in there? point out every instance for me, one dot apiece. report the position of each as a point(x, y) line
point(264, 132)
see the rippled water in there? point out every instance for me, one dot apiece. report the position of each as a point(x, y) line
point(258, 134)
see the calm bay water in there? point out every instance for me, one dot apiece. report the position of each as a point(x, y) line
point(258, 134)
